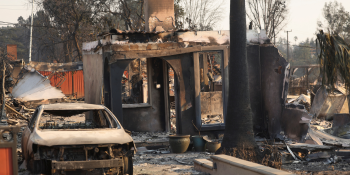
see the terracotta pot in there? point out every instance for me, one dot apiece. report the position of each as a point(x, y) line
point(179, 143)
point(213, 146)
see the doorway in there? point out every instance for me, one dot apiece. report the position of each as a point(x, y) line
point(171, 99)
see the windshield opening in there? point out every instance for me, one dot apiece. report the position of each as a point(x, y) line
point(76, 119)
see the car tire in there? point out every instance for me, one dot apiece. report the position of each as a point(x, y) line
point(128, 165)
point(30, 163)
point(42, 167)
point(38, 166)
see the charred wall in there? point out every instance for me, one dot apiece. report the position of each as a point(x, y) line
point(93, 76)
point(274, 88)
point(183, 67)
point(254, 72)
point(152, 118)
point(148, 118)
point(268, 81)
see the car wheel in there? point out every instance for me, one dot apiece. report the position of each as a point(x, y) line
point(38, 166)
point(42, 167)
point(128, 165)
point(30, 163)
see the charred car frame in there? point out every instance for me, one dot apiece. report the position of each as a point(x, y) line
point(71, 136)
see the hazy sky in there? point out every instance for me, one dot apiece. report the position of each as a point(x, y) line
point(302, 19)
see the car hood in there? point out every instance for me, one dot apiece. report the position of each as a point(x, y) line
point(80, 137)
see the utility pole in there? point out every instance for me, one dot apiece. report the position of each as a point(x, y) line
point(273, 25)
point(31, 34)
point(3, 117)
point(288, 45)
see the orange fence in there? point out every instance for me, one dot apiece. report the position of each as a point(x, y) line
point(8, 150)
point(6, 161)
point(65, 81)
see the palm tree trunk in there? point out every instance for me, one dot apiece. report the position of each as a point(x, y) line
point(239, 123)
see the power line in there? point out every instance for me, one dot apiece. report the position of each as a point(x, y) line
point(6, 22)
point(12, 9)
point(297, 46)
point(12, 5)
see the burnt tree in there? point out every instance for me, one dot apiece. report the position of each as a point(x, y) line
point(239, 123)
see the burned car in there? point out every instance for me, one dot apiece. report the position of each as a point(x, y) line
point(76, 136)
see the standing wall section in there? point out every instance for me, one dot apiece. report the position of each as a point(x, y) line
point(93, 78)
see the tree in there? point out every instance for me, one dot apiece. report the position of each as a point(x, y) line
point(239, 123)
point(16, 35)
point(77, 21)
point(337, 20)
point(334, 59)
point(304, 53)
point(46, 38)
point(127, 14)
point(179, 14)
point(281, 45)
point(268, 14)
point(201, 15)
point(73, 20)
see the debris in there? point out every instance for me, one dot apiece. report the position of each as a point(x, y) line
point(9, 107)
point(302, 100)
point(325, 104)
point(183, 162)
point(12, 122)
point(340, 126)
point(291, 153)
point(328, 139)
point(34, 86)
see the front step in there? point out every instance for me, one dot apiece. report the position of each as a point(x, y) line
point(224, 164)
point(203, 165)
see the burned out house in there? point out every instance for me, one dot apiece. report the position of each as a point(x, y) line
point(148, 77)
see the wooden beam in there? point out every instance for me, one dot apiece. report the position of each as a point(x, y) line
point(160, 53)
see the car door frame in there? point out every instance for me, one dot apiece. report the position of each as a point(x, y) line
point(28, 132)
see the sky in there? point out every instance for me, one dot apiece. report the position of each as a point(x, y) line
point(302, 18)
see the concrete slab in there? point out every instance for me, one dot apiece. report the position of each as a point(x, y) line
point(224, 164)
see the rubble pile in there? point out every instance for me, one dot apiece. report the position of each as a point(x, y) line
point(301, 100)
point(21, 98)
point(325, 148)
point(160, 161)
point(321, 125)
point(150, 136)
point(173, 118)
point(212, 119)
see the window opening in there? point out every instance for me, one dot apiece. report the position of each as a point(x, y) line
point(211, 87)
point(135, 83)
point(62, 119)
point(172, 100)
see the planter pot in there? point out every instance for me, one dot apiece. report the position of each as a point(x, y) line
point(190, 147)
point(198, 143)
point(213, 146)
point(179, 143)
